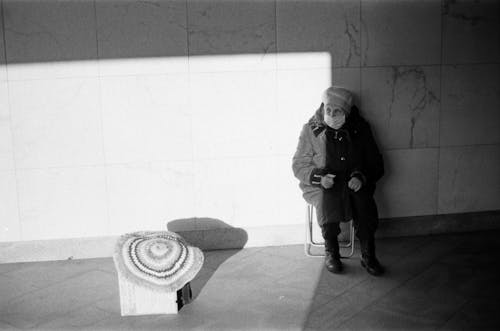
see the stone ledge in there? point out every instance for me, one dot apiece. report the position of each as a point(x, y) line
point(234, 238)
point(436, 224)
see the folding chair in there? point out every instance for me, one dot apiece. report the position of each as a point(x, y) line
point(311, 243)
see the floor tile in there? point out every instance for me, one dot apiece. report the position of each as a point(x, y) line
point(304, 275)
point(57, 300)
point(43, 274)
point(478, 314)
point(370, 289)
point(109, 304)
point(434, 304)
point(213, 259)
point(11, 289)
point(10, 267)
point(294, 252)
point(258, 267)
point(86, 317)
point(376, 319)
point(5, 326)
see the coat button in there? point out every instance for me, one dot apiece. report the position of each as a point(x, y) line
point(342, 158)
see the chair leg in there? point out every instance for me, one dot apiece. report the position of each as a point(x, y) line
point(311, 243)
point(351, 240)
point(309, 239)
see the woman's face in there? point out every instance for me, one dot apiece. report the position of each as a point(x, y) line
point(332, 111)
point(334, 117)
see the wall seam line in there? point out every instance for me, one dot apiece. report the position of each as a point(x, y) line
point(101, 122)
point(360, 55)
point(14, 161)
point(3, 35)
point(190, 111)
point(440, 107)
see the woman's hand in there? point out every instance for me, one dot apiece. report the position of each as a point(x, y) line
point(327, 181)
point(354, 184)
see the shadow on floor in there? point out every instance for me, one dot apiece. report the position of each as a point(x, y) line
point(210, 235)
point(433, 282)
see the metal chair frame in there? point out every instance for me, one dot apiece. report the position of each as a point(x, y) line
point(311, 243)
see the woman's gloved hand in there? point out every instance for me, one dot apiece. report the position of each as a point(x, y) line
point(327, 181)
point(354, 184)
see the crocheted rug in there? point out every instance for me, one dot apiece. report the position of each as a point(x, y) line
point(161, 260)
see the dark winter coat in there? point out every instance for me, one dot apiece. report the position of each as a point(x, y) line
point(348, 152)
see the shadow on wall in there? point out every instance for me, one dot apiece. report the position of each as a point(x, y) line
point(209, 234)
point(51, 30)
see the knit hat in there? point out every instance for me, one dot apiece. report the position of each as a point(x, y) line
point(338, 96)
point(160, 260)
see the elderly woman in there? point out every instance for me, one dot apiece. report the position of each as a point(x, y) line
point(338, 163)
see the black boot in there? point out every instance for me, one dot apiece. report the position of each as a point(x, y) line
point(332, 256)
point(368, 259)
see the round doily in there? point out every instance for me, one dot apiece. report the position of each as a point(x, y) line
point(160, 259)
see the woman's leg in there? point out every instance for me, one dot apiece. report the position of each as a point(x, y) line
point(365, 215)
point(330, 229)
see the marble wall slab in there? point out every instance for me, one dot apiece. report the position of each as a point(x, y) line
point(231, 27)
point(216, 183)
point(254, 199)
point(6, 147)
point(400, 32)
point(289, 202)
point(350, 78)
point(469, 179)
point(146, 118)
point(152, 33)
point(303, 60)
point(62, 202)
point(234, 114)
point(298, 98)
point(47, 32)
point(409, 186)
point(231, 63)
point(326, 26)
point(402, 104)
point(471, 105)
point(59, 124)
point(136, 29)
point(237, 191)
point(145, 196)
point(471, 31)
point(9, 212)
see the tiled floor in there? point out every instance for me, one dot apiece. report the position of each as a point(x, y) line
point(445, 282)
